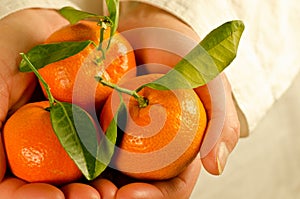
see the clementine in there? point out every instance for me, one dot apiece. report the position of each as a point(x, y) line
point(161, 139)
point(72, 79)
point(34, 153)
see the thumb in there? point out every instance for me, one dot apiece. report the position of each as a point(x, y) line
point(223, 125)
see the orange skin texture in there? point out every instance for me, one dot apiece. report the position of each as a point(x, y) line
point(72, 79)
point(162, 139)
point(34, 153)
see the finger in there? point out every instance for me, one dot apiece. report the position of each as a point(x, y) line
point(214, 162)
point(178, 187)
point(8, 187)
point(182, 186)
point(223, 128)
point(139, 191)
point(79, 191)
point(2, 160)
point(105, 187)
point(38, 190)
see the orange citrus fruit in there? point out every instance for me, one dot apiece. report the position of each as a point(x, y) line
point(161, 139)
point(33, 151)
point(72, 79)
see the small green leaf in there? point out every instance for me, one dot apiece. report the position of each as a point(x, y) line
point(107, 145)
point(222, 43)
point(203, 63)
point(44, 54)
point(113, 9)
point(73, 15)
point(80, 137)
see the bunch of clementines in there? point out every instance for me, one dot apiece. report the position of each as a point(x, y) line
point(153, 132)
point(34, 152)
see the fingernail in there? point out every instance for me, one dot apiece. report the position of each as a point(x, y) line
point(222, 156)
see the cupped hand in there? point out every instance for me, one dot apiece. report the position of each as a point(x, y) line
point(140, 23)
point(181, 186)
point(21, 31)
point(18, 35)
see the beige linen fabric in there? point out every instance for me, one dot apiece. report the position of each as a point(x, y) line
point(8, 6)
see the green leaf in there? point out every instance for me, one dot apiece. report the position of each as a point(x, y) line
point(44, 54)
point(222, 43)
point(204, 62)
point(79, 135)
point(113, 9)
point(73, 15)
point(107, 145)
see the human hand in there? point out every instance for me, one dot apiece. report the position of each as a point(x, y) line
point(16, 90)
point(23, 85)
point(153, 56)
point(155, 50)
point(21, 31)
point(181, 186)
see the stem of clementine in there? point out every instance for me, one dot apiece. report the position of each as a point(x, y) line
point(142, 101)
point(104, 24)
point(47, 88)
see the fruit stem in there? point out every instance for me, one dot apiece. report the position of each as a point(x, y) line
point(103, 26)
point(47, 88)
point(143, 102)
point(100, 47)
